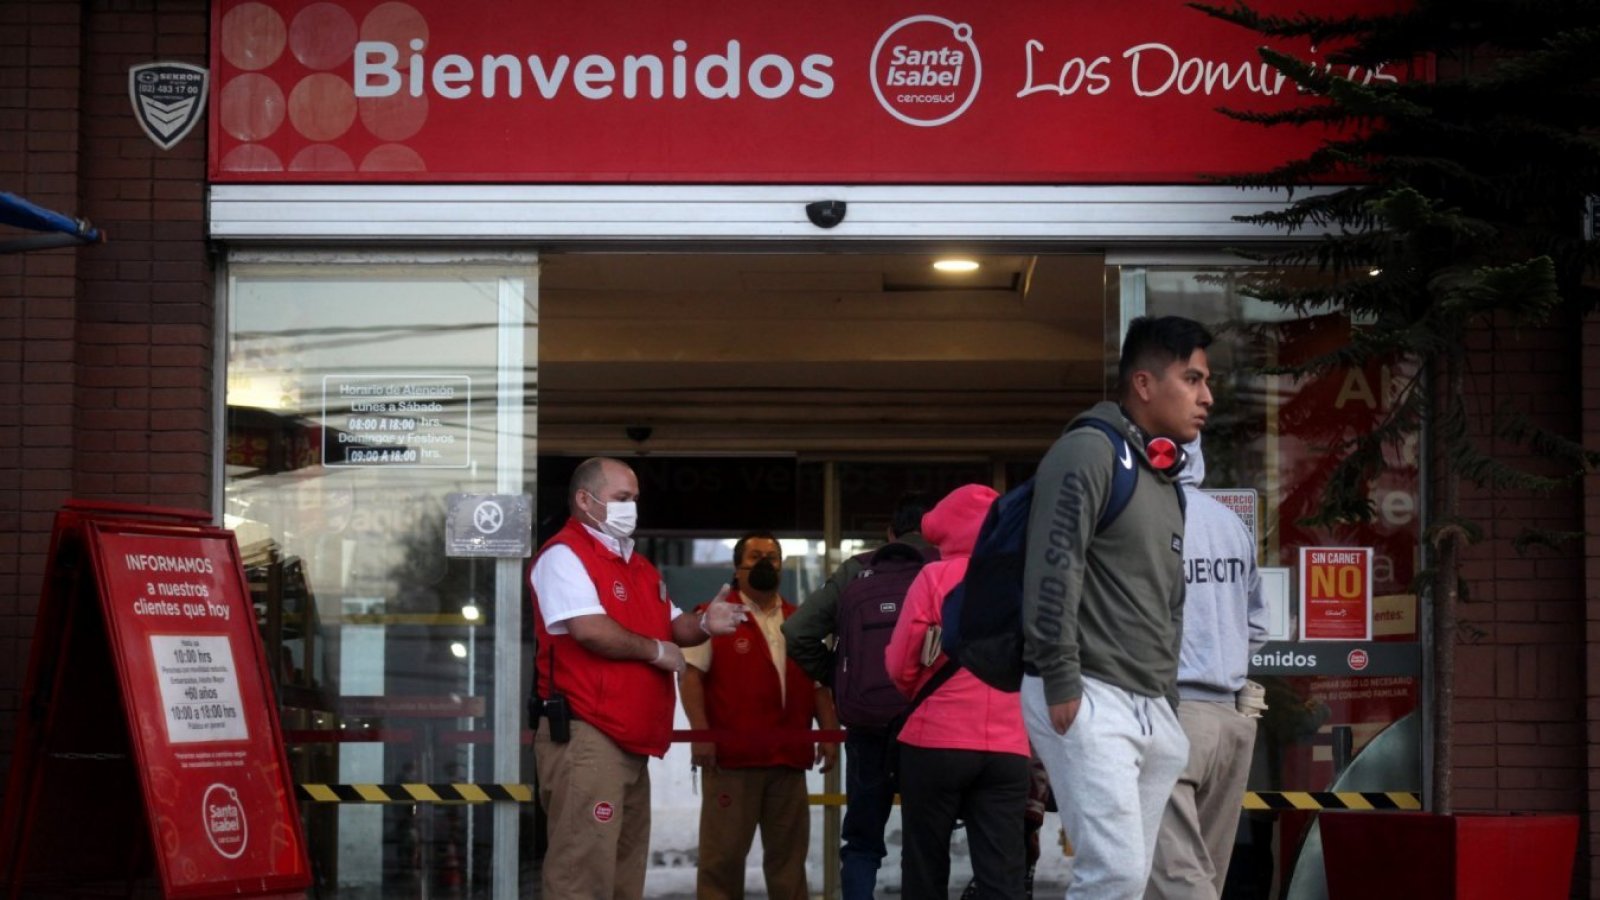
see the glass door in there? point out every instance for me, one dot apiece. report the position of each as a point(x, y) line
point(362, 399)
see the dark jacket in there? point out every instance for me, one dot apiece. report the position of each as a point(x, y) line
point(805, 631)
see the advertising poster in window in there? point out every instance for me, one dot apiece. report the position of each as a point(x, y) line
point(1309, 420)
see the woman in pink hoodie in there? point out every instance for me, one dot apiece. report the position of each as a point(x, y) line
point(964, 750)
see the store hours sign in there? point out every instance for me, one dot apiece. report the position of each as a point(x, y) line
point(199, 687)
point(397, 421)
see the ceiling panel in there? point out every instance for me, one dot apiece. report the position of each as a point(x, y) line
point(818, 352)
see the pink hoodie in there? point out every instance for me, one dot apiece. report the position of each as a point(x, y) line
point(965, 713)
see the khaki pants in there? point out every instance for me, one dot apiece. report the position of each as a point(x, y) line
point(735, 803)
point(597, 799)
point(1202, 816)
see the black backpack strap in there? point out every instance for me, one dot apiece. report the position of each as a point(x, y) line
point(932, 684)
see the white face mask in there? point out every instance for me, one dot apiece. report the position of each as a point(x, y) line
point(622, 516)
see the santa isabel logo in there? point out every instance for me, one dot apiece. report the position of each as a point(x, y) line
point(225, 825)
point(926, 70)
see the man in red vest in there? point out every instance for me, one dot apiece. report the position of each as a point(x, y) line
point(609, 641)
point(744, 685)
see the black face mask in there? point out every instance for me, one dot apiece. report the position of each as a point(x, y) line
point(763, 576)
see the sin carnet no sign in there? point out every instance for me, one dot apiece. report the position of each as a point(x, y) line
point(152, 746)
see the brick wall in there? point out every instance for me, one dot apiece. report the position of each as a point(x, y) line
point(1521, 682)
point(145, 321)
point(40, 80)
point(1590, 391)
point(105, 351)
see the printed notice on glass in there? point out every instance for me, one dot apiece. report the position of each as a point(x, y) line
point(199, 688)
point(397, 421)
point(1335, 593)
point(1244, 504)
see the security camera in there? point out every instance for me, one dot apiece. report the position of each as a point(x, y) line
point(638, 433)
point(825, 213)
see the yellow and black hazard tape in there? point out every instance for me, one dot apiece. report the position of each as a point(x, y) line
point(1308, 801)
point(1313, 801)
point(414, 793)
point(1278, 801)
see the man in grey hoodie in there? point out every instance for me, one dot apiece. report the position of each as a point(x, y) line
point(1224, 623)
point(1103, 610)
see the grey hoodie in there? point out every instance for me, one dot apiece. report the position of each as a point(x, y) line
point(1106, 604)
point(1225, 616)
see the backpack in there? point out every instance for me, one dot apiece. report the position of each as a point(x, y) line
point(869, 607)
point(986, 637)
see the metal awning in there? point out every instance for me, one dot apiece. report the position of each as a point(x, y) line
point(56, 229)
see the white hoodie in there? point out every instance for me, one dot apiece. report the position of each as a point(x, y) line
point(1224, 614)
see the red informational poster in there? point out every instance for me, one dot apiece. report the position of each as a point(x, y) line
point(1335, 593)
point(160, 671)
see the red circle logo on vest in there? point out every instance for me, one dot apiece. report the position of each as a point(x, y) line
point(619, 591)
point(724, 800)
point(1357, 659)
point(925, 70)
point(603, 811)
point(742, 645)
point(1162, 452)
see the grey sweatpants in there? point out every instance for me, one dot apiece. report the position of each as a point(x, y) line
point(1112, 773)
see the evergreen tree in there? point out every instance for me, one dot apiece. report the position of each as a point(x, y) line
point(1462, 200)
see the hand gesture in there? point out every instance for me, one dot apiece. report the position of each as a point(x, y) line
point(722, 617)
point(669, 658)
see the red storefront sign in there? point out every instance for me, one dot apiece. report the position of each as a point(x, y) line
point(881, 91)
point(158, 716)
point(1335, 593)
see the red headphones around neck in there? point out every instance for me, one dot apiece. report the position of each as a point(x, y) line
point(1165, 456)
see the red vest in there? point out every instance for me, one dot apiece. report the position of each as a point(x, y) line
point(742, 694)
point(630, 701)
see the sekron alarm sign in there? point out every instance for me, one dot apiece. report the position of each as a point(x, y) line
point(152, 747)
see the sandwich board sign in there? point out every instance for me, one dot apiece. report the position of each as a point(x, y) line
point(148, 745)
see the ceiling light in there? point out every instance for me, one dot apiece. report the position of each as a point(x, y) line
point(956, 266)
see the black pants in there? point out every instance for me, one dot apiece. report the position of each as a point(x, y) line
point(988, 791)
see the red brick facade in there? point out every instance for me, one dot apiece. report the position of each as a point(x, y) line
point(106, 352)
point(1588, 365)
point(106, 375)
